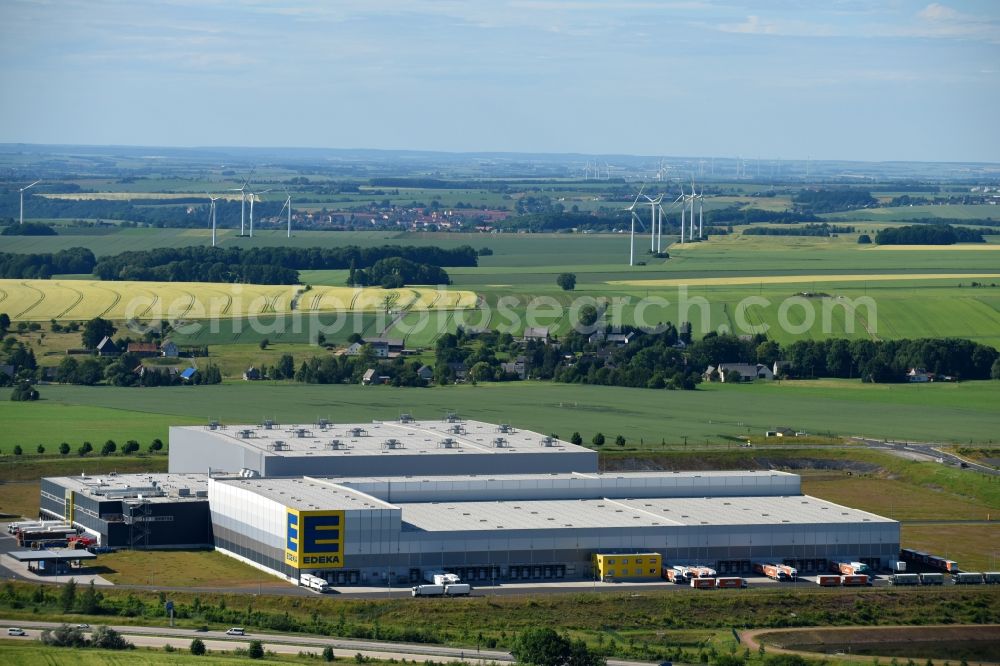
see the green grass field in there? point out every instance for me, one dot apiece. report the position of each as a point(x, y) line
point(31, 653)
point(180, 568)
point(715, 413)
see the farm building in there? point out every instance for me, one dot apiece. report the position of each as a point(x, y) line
point(387, 502)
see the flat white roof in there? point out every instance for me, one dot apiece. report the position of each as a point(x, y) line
point(308, 494)
point(558, 476)
point(615, 513)
point(154, 487)
point(389, 438)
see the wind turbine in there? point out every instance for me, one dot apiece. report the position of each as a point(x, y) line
point(635, 218)
point(288, 205)
point(691, 198)
point(242, 189)
point(26, 187)
point(653, 203)
point(253, 195)
point(701, 211)
point(212, 211)
point(683, 200)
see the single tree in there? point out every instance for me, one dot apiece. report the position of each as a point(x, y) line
point(620, 440)
point(17, 450)
point(109, 448)
point(264, 343)
point(864, 239)
point(598, 439)
point(96, 330)
point(328, 653)
point(255, 650)
point(107, 638)
point(197, 647)
point(64, 448)
point(156, 445)
point(576, 438)
point(40, 448)
point(4, 322)
point(67, 596)
point(567, 281)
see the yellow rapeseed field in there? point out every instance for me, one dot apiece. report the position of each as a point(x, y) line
point(42, 300)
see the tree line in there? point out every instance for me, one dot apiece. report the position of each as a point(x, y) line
point(928, 234)
point(831, 201)
point(44, 266)
point(822, 230)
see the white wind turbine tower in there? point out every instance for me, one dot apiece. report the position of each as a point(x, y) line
point(701, 211)
point(653, 204)
point(253, 195)
point(212, 211)
point(682, 199)
point(635, 218)
point(242, 189)
point(288, 205)
point(691, 197)
point(26, 187)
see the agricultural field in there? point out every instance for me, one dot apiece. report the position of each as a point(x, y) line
point(44, 300)
point(716, 414)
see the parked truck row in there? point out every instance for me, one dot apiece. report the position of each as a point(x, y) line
point(437, 590)
point(779, 572)
point(932, 561)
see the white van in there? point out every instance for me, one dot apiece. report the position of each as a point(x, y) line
point(16, 631)
point(236, 631)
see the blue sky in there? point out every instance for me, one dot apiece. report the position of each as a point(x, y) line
point(790, 79)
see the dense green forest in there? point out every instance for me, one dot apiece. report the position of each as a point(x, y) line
point(831, 201)
point(928, 234)
point(44, 266)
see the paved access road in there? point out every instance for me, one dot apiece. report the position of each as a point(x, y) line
point(294, 643)
point(929, 450)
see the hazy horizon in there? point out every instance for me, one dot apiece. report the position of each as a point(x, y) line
point(849, 81)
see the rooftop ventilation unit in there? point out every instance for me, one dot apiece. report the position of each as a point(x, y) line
point(248, 473)
point(246, 434)
point(300, 432)
point(323, 423)
point(201, 493)
point(336, 445)
point(457, 429)
point(183, 492)
point(358, 432)
point(505, 428)
point(452, 418)
point(449, 443)
point(501, 443)
point(213, 425)
point(549, 441)
point(278, 445)
point(405, 418)
point(269, 424)
point(392, 444)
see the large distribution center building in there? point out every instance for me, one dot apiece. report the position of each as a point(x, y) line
point(387, 502)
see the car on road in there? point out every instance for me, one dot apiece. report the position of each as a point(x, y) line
point(236, 631)
point(16, 631)
point(83, 626)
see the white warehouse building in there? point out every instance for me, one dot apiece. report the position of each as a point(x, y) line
point(388, 502)
point(528, 527)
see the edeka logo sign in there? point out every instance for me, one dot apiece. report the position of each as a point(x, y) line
point(314, 539)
